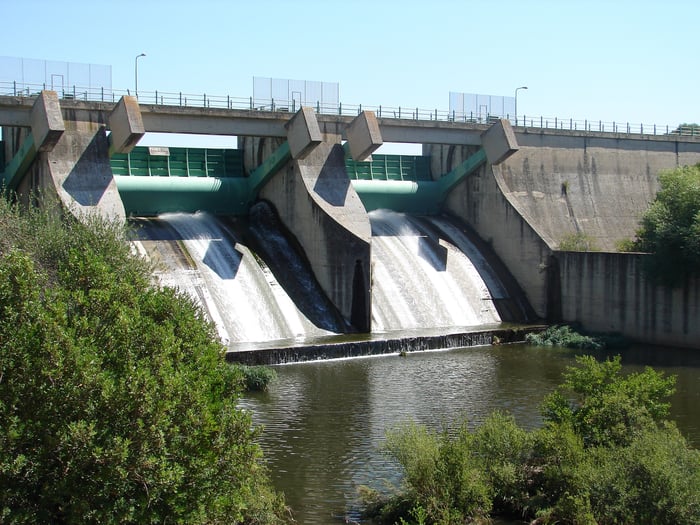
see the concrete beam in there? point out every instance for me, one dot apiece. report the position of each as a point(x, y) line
point(46, 121)
point(364, 136)
point(303, 133)
point(499, 141)
point(126, 125)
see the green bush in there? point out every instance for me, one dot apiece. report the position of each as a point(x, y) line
point(670, 228)
point(626, 245)
point(116, 405)
point(564, 336)
point(606, 454)
point(578, 242)
point(441, 479)
point(257, 378)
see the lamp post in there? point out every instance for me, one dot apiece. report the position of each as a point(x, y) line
point(516, 103)
point(136, 74)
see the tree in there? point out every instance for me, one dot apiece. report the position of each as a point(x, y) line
point(116, 405)
point(605, 408)
point(670, 228)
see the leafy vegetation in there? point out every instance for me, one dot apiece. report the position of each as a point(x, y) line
point(567, 337)
point(257, 378)
point(687, 129)
point(564, 336)
point(670, 228)
point(625, 245)
point(578, 242)
point(116, 405)
point(606, 454)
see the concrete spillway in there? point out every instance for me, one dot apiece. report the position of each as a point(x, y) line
point(427, 275)
point(422, 280)
point(199, 255)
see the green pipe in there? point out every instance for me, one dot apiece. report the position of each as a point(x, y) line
point(154, 195)
point(421, 197)
point(19, 164)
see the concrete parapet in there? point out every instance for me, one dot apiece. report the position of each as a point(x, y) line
point(318, 205)
point(364, 136)
point(303, 133)
point(126, 125)
point(46, 121)
point(499, 141)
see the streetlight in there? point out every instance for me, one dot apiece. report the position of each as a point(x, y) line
point(136, 74)
point(516, 103)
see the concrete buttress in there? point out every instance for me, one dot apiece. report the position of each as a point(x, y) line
point(317, 203)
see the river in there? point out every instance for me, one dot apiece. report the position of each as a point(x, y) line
point(324, 422)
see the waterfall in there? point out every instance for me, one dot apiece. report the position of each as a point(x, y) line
point(427, 274)
point(199, 255)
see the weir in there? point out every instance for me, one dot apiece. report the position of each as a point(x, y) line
point(325, 190)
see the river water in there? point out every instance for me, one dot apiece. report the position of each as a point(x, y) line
point(324, 422)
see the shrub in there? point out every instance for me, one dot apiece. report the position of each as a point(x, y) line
point(670, 228)
point(656, 479)
point(116, 405)
point(441, 479)
point(257, 378)
point(625, 245)
point(564, 336)
point(578, 242)
point(607, 409)
point(606, 454)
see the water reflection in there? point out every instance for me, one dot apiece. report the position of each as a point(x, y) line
point(325, 422)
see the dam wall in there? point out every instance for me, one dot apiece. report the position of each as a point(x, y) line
point(609, 292)
point(561, 186)
point(589, 185)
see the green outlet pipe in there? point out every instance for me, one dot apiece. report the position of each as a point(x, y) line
point(422, 197)
point(148, 196)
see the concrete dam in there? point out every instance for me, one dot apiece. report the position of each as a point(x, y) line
point(304, 232)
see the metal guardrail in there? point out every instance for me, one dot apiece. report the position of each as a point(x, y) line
point(249, 103)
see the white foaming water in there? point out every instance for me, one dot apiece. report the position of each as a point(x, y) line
point(242, 297)
point(421, 281)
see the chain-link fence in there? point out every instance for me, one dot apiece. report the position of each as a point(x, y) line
point(55, 75)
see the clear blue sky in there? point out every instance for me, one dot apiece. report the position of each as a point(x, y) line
point(620, 60)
